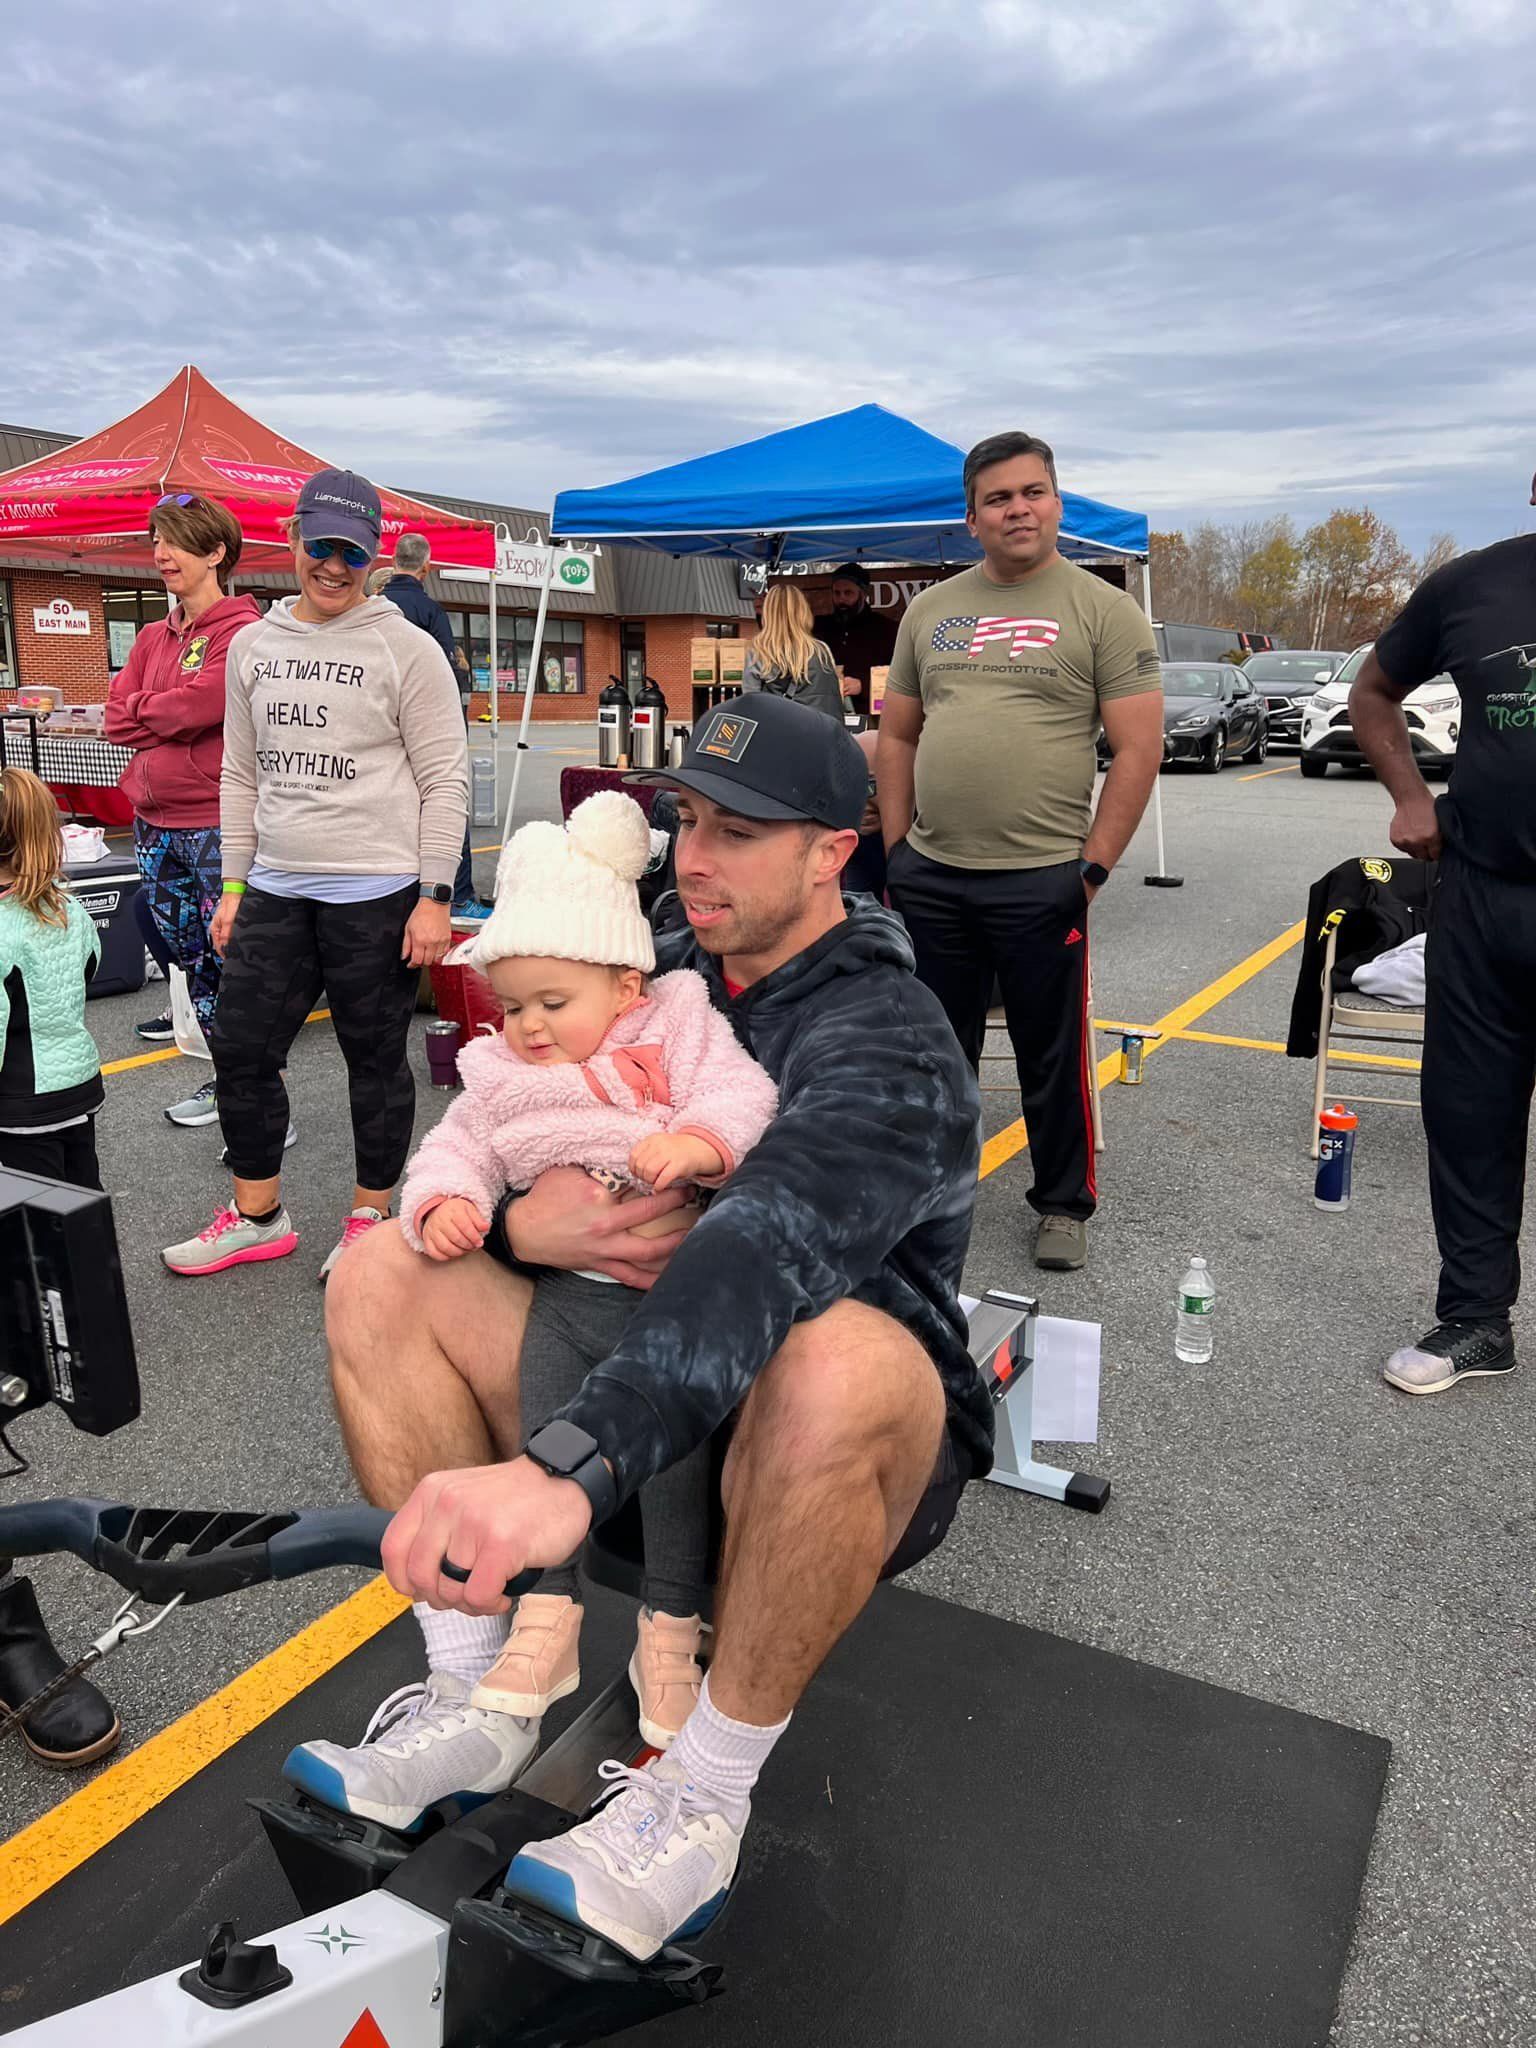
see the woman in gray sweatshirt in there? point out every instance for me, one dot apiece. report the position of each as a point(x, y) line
point(342, 806)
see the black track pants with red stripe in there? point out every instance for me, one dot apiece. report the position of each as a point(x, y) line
point(1027, 930)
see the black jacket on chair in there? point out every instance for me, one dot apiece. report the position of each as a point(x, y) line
point(1378, 902)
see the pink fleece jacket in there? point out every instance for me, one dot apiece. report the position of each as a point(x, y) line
point(670, 1064)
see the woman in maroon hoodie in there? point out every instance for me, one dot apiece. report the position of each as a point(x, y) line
point(168, 704)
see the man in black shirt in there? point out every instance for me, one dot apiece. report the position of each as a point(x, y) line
point(859, 637)
point(1475, 619)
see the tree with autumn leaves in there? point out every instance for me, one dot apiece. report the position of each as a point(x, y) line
point(1334, 585)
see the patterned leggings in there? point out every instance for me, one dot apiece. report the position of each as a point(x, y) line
point(182, 879)
point(282, 951)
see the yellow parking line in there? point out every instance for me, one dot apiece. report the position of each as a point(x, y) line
point(1290, 768)
point(70, 1835)
point(1006, 1144)
point(173, 1052)
point(1368, 1059)
point(60, 1841)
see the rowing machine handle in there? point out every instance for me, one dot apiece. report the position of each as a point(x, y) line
point(160, 1552)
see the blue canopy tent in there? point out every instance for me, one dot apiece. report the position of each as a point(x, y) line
point(859, 483)
point(865, 483)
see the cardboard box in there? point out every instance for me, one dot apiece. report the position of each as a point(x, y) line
point(733, 656)
point(704, 663)
point(877, 678)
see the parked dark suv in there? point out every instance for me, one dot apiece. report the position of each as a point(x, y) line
point(1285, 680)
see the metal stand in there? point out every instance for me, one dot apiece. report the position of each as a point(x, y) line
point(1011, 1383)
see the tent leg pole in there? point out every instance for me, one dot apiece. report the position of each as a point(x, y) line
point(535, 655)
point(495, 708)
point(1162, 879)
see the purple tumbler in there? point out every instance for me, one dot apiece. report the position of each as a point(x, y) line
point(443, 1053)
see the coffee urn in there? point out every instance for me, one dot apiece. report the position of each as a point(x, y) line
point(612, 724)
point(648, 728)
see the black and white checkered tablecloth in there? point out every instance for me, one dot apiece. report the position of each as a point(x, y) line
point(66, 757)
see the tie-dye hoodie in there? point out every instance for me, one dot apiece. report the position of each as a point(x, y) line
point(861, 1188)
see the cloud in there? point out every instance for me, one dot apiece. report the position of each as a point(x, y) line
point(1230, 259)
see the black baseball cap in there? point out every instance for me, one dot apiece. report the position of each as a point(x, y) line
point(762, 756)
point(338, 504)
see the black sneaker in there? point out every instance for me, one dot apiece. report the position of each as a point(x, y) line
point(158, 1030)
point(1452, 1352)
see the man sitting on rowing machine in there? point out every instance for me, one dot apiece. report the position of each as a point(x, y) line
point(814, 1309)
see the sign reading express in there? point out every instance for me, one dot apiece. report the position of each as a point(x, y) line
point(60, 617)
point(530, 562)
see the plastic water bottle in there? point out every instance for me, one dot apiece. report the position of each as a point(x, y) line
point(1196, 1337)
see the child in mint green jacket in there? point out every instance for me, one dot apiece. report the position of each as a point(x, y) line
point(50, 1076)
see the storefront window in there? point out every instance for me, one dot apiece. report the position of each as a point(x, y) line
point(128, 612)
point(562, 667)
point(7, 640)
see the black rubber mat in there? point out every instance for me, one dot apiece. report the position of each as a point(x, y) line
point(972, 1833)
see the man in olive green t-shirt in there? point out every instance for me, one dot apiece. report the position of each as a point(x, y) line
point(985, 766)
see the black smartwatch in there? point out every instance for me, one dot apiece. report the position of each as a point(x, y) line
point(569, 1453)
point(1094, 873)
point(437, 892)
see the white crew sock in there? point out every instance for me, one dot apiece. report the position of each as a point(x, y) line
point(723, 1757)
point(461, 1645)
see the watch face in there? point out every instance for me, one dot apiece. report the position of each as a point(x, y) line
point(560, 1447)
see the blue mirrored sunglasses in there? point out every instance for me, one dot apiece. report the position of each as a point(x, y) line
point(182, 498)
point(322, 551)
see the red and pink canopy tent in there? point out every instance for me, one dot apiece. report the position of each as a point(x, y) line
point(89, 504)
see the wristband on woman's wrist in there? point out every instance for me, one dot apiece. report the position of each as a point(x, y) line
point(233, 889)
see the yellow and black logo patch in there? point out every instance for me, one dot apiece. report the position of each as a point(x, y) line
point(192, 660)
point(728, 736)
point(1377, 870)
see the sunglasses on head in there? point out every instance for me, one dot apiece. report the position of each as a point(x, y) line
point(182, 498)
point(322, 551)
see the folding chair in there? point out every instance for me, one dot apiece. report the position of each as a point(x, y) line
point(1353, 1020)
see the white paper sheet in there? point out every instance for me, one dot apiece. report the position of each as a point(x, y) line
point(1066, 1381)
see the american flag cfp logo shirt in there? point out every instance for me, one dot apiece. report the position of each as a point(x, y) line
point(972, 637)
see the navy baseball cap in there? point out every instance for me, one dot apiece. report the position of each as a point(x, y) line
point(763, 756)
point(337, 504)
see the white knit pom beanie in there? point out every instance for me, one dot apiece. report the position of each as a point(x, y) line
point(570, 894)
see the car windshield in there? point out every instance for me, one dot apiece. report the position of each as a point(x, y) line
point(1286, 668)
point(1191, 682)
point(1339, 684)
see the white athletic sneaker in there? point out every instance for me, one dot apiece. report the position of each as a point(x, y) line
point(652, 1865)
point(426, 1743)
point(200, 1107)
point(357, 1225)
point(232, 1240)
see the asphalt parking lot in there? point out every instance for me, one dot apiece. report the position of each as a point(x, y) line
point(1281, 1522)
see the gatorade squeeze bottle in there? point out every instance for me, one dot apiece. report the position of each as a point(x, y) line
point(1335, 1157)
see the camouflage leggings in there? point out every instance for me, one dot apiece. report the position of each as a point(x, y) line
point(283, 951)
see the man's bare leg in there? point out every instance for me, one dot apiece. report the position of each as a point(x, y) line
point(423, 1362)
point(836, 1445)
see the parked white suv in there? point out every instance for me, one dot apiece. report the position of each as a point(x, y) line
point(1433, 712)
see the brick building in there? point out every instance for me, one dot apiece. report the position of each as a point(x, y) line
point(73, 628)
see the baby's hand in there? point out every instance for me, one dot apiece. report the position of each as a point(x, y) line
point(665, 1159)
point(452, 1228)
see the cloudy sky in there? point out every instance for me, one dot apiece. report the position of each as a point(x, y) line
point(1231, 259)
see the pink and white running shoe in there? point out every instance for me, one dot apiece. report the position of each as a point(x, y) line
point(232, 1240)
point(357, 1225)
